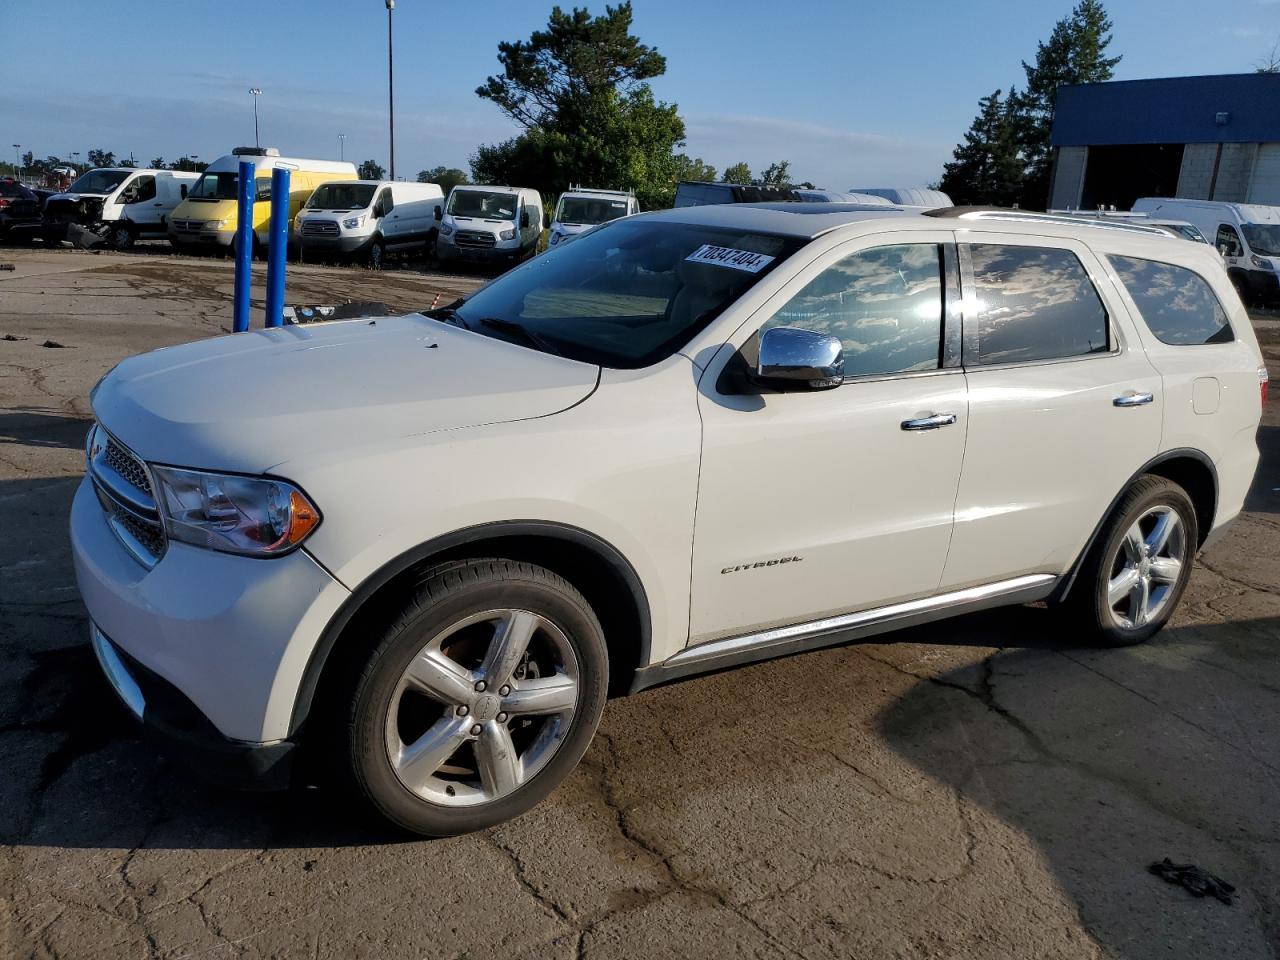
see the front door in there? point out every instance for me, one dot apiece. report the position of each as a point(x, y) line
point(824, 502)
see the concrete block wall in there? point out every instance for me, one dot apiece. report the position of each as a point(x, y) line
point(1197, 170)
point(1235, 171)
point(1068, 178)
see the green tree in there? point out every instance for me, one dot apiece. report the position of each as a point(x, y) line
point(737, 173)
point(28, 160)
point(446, 177)
point(693, 169)
point(102, 158)
point(1074, 53)
point(371, 170)
point(189, 164)
point(578, 89)
point(777, 175)
point(987, 168)
point(128, 162)
point(157, 164)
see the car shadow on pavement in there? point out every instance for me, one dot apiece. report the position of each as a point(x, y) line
point(42, 427)
point(1109, 760)
point(1264, 496)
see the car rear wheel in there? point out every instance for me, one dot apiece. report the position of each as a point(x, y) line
point(1139, 567)
point(478, 700)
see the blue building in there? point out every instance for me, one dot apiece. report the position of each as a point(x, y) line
point(1206, 138)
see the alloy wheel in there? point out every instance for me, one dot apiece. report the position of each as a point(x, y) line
point(482, 707)
point(1147, 565)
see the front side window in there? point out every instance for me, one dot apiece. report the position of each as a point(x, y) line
point(1228, 243)
point(884, 305)
point(1178, 305)
point(1033, 303)
point(626, 294)
point(144, 188)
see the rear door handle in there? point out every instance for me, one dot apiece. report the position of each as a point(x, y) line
point(1133, 399)
point(932, 422)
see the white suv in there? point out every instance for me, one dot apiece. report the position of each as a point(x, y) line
point(427, 547)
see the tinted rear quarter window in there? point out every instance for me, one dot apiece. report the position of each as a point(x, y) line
point(1178, 305)
point(1035, 303)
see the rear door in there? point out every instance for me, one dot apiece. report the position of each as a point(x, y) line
point(1064, 406)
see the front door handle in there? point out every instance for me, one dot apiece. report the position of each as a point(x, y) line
point(1133, 399)
point(931, 422)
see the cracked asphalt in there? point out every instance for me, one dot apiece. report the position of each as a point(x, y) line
point(978, 788)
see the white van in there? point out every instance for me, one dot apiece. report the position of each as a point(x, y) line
point(489, 224)
point(1182, 229)
point(909, 196)
point(579, 209)
point(1246, 234)
point(117, 204)
point(369, 219)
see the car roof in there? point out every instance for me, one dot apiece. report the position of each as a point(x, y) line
point(787, 218)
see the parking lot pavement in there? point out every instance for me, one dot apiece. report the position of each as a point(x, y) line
point(979, 788)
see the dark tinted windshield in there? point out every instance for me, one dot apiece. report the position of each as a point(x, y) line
point(214, 186)
point(98, 181)
point(483, 203)
point(1263, 238)
point(590, 210)
point(630, 293)
point(342, 196)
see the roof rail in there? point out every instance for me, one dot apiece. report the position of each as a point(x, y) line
point(1030, 216)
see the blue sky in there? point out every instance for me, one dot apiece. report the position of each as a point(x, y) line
point(852, 93)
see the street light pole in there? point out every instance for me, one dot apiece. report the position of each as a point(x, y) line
point(17, 160)
point(342, 146)
point(256, 94)
point(391, 89)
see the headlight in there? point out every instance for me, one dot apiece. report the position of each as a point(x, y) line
point(217, 224)
point(352, 222)
point(1260, 262)
point(446, 230)
point(507, 235)
point(253, 516)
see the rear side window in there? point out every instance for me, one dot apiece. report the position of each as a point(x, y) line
point(1178, 306)
point(1034, 303)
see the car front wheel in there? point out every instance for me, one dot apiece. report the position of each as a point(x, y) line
point(1139, 567)
point(480, 698)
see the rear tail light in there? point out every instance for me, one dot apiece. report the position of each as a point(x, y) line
point(4, 202)
point(1263, 380)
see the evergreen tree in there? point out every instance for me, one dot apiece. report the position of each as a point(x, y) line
point(1074, 53)
point(987, 169)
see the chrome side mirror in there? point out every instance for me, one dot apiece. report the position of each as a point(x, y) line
point(791, 358)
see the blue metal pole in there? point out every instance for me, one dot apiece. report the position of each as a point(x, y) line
point(278, 246)
point(244, 248)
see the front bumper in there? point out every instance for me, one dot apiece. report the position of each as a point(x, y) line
point(201, 238)
point(174, 723)
point(447, 250)
point(1263, 286)
point(231, 635)
point(344, 246)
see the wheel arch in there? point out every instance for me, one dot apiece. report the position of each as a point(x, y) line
point(1191, 469)
point(595, 567)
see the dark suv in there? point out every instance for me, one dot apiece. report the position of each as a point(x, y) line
point(19, 206)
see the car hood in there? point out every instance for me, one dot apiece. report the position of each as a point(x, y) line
point(251, 401)
point(79, 196)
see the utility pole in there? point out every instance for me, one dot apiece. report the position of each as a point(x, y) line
point(17, 160)
point(256, 94)
point(342, 146)
point(391, 89)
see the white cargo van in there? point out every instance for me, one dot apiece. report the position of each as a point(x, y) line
point(369, 219)
point(489, 224)
point(578, 210)
point(909, 196)
point(1246, 234)
point(116, 204)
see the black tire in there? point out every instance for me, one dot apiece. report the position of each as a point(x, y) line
point(120, 237)
point(447, 595)
point(1088, 603)
point(377, 255)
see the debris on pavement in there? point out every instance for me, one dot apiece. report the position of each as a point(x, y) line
point(8, 266)
point(54, 344)
point(13, 337)
point(1197, 881)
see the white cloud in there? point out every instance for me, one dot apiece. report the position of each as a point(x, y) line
point(828, 156)
point(1243, 33)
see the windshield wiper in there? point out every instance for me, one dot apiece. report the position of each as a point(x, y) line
point(523, 333)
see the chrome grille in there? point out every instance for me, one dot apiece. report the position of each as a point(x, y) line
point(476, 238)
point(127, 465)
point(187, 225)
point(127, 497)
point(319, 228)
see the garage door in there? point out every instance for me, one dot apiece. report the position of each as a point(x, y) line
point(1265, 185)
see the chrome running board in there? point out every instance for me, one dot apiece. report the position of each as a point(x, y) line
point(780, 641)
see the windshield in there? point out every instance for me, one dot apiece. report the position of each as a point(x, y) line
point(482, 203)
point(214, 186)
point(628, 294)
point(590, 210)
point(1263, 238)
point(1189, 232)
point(342, 196)
point(98, 181)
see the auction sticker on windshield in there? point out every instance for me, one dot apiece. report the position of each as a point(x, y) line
point(729, 257)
